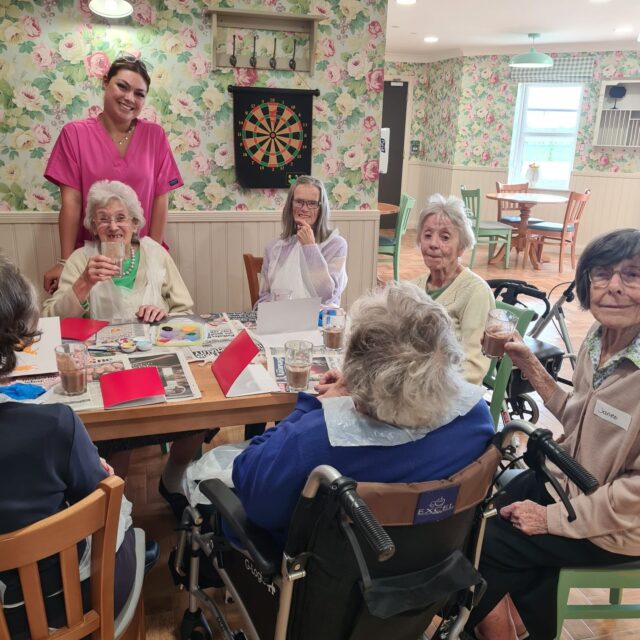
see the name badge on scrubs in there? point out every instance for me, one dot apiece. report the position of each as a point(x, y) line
point(612, 415)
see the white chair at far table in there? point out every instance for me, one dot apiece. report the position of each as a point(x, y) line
point(96, 515)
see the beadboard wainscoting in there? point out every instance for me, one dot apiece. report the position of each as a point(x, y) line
point(207, 247)
point(614, 202)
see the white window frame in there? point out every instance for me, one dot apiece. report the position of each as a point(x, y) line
point(519, 133)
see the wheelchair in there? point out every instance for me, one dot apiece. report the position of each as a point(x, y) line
point(366, 561)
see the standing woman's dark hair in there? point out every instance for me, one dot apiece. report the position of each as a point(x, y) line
point(131, 63)
point(321, 228)
point(18, 315)
point(604, 251)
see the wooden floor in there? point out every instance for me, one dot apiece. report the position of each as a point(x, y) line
point(165, 604)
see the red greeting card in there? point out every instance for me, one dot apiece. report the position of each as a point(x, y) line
point(80, 328)
point(132, 388)
point(233, 360)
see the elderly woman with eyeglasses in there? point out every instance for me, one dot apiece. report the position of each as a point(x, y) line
point(91, 284)
point(115, 145)
point(308, 259)
point(525, 547)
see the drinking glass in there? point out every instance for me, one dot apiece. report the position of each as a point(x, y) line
point(298, 355)
point(71, 359)
point(115, 251)
point(497, 332)
point(333, 325)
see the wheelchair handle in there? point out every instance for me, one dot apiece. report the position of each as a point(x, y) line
point(513, 288)
point(543, 440)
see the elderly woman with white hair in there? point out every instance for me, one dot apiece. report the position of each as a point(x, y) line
point(371, 422)
point(150, 286)
point(444, 233)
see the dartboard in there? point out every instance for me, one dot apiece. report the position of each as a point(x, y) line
point(273, 134)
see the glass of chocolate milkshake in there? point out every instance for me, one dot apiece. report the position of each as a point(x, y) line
point(333, 324)
point(497, 332)
point(71, 359)
point(298, 355)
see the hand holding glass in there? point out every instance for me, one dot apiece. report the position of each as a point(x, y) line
point(115, 251)
point(333, 324)
point(497, 332)
point(298, 355)
point(71, 359)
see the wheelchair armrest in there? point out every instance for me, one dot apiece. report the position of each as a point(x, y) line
point(264, 553)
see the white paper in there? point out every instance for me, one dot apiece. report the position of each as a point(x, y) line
point(278, 339)
point(40, 357)
point(253, 380)
point(284, 316)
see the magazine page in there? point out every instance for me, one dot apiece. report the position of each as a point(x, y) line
point(177, 379)
point(111, 334)
point(323, 360)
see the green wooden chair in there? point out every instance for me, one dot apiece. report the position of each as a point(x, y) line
point(497, 377)
point(390, 245)
point(614, 578)
point(486, 232)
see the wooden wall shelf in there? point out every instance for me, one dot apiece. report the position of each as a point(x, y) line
point(261, 21)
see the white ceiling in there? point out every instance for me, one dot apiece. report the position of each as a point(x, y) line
point(478, 27)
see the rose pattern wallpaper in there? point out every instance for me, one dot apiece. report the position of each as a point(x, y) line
point(463, 111)
point(53, 54)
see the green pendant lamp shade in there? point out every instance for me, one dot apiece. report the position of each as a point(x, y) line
point(532, 59)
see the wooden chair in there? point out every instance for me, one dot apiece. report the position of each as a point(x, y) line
point(95, 515)
point(253, 266)
point(565, 232)
point(485, 232)
point(506, 207)
point(390, 245)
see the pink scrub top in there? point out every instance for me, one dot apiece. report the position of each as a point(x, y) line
point(84, 153)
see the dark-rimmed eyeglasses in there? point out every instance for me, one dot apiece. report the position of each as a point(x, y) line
point(601, 276)
point(312, 205)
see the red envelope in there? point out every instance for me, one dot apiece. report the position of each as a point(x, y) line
point(132, 388)
point(233, 360)
point(80, 328)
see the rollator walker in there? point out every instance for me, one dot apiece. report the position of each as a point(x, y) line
point(365, 561)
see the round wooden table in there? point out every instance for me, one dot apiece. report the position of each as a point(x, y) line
point(525, 202)
point(385, 208)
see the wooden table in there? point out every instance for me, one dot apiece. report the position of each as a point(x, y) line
point(386, 209)
point(525, 202)
point(211, 410)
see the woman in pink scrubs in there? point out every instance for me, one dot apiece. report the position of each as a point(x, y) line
point(114, 146)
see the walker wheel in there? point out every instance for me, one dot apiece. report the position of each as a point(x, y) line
point(525, 408)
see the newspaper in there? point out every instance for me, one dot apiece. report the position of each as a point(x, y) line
point(323, 360)
point(111, 334)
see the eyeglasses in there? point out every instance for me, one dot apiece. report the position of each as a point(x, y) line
point(106, 221)
point(312, 205)
point(601, 276)
point(27, 342)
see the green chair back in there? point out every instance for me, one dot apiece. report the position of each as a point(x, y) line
point(471, 199)
point(614, 578)
point(391, 246)
point(497, 378)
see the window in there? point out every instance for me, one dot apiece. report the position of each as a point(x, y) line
point(544, 134)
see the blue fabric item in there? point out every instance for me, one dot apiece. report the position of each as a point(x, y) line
point(270, 473)
point(22, 391)
point(549, 226)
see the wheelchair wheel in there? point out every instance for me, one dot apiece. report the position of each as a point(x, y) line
point(195, 626)
point(525, 408)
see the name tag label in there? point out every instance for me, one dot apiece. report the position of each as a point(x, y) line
point(612, 415)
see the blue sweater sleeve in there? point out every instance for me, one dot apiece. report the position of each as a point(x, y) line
point(84, 470)
point(270, 473)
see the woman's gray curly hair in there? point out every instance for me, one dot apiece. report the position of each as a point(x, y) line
point(452, 208)
point(402, 361)
point(102, 192)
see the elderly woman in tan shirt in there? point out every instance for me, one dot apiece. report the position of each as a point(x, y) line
point(525, 548)
point(444, 234)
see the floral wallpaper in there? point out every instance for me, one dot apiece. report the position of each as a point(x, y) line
point(53, 54)
point(463, 111)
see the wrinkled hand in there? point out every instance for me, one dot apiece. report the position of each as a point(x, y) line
point(305, 233)
point(98, 269)
point(150, 313)
point(527, 516)
point(107, 467)
point(519, 352)
point(51, 278)
point(332, 385)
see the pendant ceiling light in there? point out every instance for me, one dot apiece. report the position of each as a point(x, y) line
point(111, 8)
point(532, 59)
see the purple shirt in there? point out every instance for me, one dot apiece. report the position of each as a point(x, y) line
point(84, 153)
